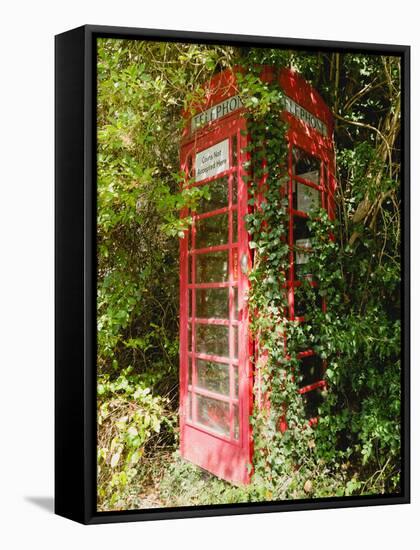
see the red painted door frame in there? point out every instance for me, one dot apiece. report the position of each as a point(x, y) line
point(225, 452)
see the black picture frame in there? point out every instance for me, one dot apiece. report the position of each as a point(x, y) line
point(75, 268)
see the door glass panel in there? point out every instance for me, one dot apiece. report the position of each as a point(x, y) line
point(213, 414)
point(218, 196)
point(212, 231)
point(212, 267)
point(212, 339)
point(213, 376)
point(212, 302)
point(235, 302)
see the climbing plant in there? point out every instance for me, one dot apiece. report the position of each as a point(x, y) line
point(143, 89)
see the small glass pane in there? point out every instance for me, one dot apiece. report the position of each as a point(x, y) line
point(189, 371)
point(234, 226)
point(235, 342)
point(311, 370)
point(212, 267)
point(190, 303)
point(234, 187)
point(218, 191)
point(301, 255)
point(190, 263)
point(234, 150)
point(189, 406)
point(212, 339)
point(305, 165)
point(312, 400)
point(189, 239)
point(306, 198)
point(300, 228)
point(212, 231)
point(190, 166)
point(214, 414)
point(213, 376)
point(235, 303)
point(189, 337)
point(235, 380)
point(212, 302)
point(235, 422)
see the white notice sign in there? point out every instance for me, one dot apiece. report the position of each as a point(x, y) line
point(212, 161)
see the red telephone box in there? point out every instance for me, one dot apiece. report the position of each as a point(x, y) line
point(216, 375)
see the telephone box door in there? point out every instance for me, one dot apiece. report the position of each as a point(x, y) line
point(215, 384)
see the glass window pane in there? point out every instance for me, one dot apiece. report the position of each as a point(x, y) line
point(212, 339)
point(189, 406)
point(190, 263)
point(218, 191)
point(212, 302)
point(235, 380)
point(300, 228)
point(234, 226)
point(311, 402)
point(234, 187)
point(214, 414)
point(235, 342)
point(212, 231)
point(189, 337)
point(213, 376)
point(212, 267)
point(234, 150)
point(306, 199)
point(235, 303)
point(301, 255)
point(311, 370)
point(235, 423)
point(304, 164)
point(189, 371)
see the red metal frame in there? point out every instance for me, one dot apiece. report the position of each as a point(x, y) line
point(229, 454)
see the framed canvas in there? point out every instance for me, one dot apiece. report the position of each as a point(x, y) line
point(232, 274)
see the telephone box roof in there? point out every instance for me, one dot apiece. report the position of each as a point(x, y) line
point(302, 100)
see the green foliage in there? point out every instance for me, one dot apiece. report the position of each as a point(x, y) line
point(355, 262)
point(131, 422)
point(143, 88)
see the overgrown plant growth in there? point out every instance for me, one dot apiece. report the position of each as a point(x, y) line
point(143, 88)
